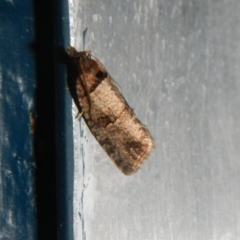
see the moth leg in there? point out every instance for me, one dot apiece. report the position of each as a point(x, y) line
point(79, 115)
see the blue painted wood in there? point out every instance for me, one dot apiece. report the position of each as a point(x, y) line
point(36, 150)
point(17, 83)
point(64, 125)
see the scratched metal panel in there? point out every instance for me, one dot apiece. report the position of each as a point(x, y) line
point(177, 63)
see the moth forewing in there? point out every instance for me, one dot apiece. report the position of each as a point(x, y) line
point(113, 123)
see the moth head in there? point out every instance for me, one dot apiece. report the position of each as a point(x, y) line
point(73, 53)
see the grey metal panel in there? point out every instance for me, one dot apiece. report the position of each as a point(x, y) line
point(177, 63)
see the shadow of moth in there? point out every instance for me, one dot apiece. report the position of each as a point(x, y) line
point(125, 139)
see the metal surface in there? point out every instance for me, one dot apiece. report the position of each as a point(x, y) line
point(177, 63)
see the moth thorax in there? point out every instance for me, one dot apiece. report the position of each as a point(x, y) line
point(89, 65)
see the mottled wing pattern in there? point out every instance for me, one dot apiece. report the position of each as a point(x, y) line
point(113, 123)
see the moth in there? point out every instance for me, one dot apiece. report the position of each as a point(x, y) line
point(125, 139)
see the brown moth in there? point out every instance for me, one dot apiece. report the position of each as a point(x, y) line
point(113, 123)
